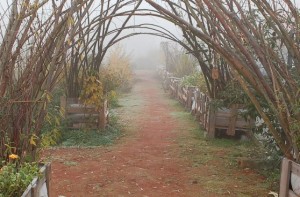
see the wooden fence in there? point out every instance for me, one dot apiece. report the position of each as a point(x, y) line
point(198, 103)
point(289, 179)
point(40, 186)
point(80, 115)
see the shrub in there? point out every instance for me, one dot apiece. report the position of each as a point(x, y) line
point(115, 75)
point(196, 79)
point(93, 92)
point(14, 180)
point(184, 65)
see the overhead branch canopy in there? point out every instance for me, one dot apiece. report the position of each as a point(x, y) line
point(260, 42)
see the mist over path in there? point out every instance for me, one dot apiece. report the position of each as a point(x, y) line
point(157, 156)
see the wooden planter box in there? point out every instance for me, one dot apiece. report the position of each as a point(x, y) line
point(40, 186)
point(80, 115)
point(228, 120)
point(289, 169)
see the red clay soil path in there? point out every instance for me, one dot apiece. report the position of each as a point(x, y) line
point(150, 160)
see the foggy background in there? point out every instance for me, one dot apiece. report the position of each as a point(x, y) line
point(145, 50)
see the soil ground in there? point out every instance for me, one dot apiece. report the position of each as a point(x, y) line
point(162, 154)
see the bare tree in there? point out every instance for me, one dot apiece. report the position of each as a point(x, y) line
point(33, 52)
point(100, 30)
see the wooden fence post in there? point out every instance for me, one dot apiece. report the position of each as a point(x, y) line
point(285, 177)
point(232, 120)
point(102, 116)
point(211, 123)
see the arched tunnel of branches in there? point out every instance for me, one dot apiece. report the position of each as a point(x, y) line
point(254, 43)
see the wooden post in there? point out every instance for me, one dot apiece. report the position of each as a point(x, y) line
point(34, 189)
point(48, 178)
point(189, 98)
point(285, 177)
point(103, 116)
point(232, 120)
point(211, 123)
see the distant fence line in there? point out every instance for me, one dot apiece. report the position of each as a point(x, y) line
point(193, 99)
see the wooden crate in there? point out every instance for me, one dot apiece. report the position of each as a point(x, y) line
point(80, 115)
point(228, 120)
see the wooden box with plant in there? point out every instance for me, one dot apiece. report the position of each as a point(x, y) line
point(99, 91)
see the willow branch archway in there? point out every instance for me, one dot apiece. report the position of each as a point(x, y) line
point(249, 41)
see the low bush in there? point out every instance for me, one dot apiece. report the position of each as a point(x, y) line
point(15, 179)
point(195, 79)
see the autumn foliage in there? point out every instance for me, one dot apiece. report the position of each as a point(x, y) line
point(116, 74)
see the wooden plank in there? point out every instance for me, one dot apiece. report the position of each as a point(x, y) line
point(190, 97)
point(82, 117)
point(34, 191)
point(102, 116)
point(27, 192)
point(48, 178)
point(295, 168)
point(211, 124)
point(81, 110)
point(72, 100)
point(221, 121)
point(232, 120)
point(92, 125)
point(292, 194)
point(285, 177)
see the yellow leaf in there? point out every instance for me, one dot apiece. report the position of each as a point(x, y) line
point(32, 140)
point(70, 21)
point(13, 156)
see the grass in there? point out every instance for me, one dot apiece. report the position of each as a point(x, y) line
point(70, 163)
point(88, 138)
point(216, 155)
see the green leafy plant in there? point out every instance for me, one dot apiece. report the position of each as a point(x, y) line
point(14, 179)
point(112, 98)
point(195, 79)
point(53, 124)
point(184, 65)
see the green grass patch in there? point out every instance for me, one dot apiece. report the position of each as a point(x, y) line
point(88, 138)
point(70, 163)
point(209, 153)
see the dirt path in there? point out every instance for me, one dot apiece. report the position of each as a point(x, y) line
point(157, 157)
